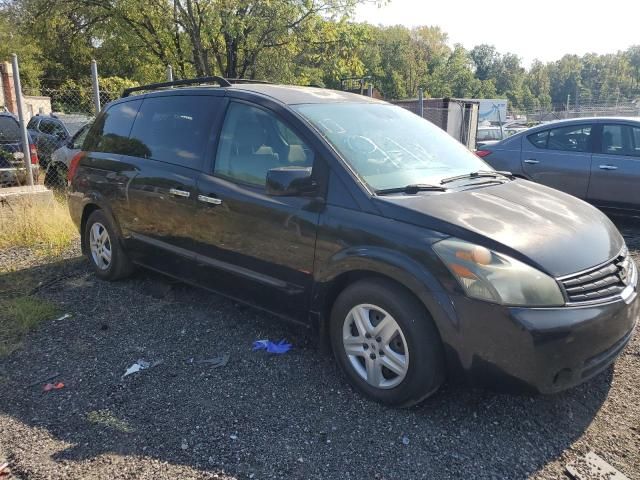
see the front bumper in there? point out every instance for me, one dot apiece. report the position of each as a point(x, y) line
point(543, 350)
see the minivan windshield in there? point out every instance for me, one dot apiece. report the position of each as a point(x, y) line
point(390, 147)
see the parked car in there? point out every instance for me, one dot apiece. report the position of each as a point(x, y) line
point(488, 135)
point(12, 169)
point(50, 132)
point(56, 173)
point(595, 159)
point(362, 221)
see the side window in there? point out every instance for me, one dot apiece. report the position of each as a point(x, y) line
point(570, 139)
point(33, 123)
point(539, 139)
point(110, 132)
point(621, 140)
point(78, 140)
point(50, 127)
point(636, 141)
point(253, 141)
point(175, 129)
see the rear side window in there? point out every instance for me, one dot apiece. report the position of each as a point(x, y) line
point(51, 127)
point(621, 140)
point(576, 138)
point(175, 129)
point(110, 132)
point(33, 123)
point(9, 130)
point(539, 139)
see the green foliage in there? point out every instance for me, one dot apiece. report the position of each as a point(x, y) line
point(305, 42)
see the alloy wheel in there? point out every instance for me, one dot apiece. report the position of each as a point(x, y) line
point(375, 346)
point(100, 246)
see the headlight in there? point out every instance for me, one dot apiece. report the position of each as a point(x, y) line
point(492, 276)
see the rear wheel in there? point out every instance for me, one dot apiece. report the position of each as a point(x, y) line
point(102, 246)
point(386, 343)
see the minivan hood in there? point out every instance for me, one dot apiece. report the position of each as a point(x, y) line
point(551, 230)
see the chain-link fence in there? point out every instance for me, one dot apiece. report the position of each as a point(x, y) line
point(618, 109)
point(56, 121)
point(59, 119)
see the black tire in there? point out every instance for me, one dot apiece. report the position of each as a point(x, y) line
point(119, 266)
point(426, 366)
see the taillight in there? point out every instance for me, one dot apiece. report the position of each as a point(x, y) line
point(73, 165)
point(483, 153)
point(33, 151)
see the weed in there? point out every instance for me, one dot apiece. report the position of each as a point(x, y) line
point(18, 316)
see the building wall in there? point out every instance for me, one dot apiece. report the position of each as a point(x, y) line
point(32, 104)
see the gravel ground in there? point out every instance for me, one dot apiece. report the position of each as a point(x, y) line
point(290, 416)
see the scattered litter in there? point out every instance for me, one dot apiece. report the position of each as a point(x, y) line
point(233, 437)
point(278, 348)
point(63, 317)
point(593, 467)
point(140, 365)
point(214, 362)
point(300, 459)
point(52, 386)
point(405, 440)
point(4, 470)
point(104, 326)
point(184, 445)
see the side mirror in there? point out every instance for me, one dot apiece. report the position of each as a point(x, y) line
point(290, 181)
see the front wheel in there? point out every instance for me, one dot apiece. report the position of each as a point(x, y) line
point(102, 246)
point(386, 343)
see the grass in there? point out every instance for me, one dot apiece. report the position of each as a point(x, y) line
point(107, 419)
point(45, 227)
point(18, 316)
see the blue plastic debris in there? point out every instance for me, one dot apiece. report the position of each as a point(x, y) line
point(278, 348)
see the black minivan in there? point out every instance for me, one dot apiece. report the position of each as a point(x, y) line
point(362, 221)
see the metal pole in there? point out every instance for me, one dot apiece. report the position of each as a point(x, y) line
point(421, 101)
point(96, 86)
point(169, 73)
point(23, 125)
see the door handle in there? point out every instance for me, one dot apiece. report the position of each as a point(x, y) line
point(608, 167)
point(211, 200)
point(532, 161)
point(179, 193)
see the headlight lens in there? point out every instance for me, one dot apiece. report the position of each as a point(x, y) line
point(492, 276)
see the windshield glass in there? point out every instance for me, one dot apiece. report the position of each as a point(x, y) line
point(9, 130)
point(488, 134)
point(390, 147)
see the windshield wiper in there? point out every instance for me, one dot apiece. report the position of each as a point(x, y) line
point(479, 174)
point(412, 189)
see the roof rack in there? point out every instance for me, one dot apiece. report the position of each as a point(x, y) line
point(247, 80)
point(177, 83)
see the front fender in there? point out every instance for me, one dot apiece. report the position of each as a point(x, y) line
point(397, 266)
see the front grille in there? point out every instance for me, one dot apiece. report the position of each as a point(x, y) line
point(602, 282)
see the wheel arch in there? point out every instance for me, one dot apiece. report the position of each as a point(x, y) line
point(358, 264)
point(91, 205)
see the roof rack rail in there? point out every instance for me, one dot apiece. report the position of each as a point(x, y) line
point(246, 80)
point(177, 83)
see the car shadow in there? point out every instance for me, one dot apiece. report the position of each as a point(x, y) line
point(288, 416)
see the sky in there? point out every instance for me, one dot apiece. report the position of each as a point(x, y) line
point(538, 29)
